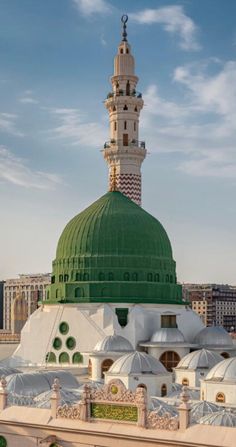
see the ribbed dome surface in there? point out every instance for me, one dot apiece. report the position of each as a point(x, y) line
point(202, 358)
point(224, 418)
point(114, 225)
point(202, 408)
point(223, 371)
point(168, 335)
point(137, 363)
point(114, 343)
point(213, 336)
point(114, 251)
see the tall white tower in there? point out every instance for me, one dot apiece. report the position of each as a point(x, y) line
point(124, 152)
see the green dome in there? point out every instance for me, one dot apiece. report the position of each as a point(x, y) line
point(114, 251)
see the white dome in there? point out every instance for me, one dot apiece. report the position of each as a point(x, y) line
point(202, 358)
point(224, 418)
point(114, 343)
point(137, 363)
point(202, 408)
point(223, 371)
point(168, 335)
point(213, 336)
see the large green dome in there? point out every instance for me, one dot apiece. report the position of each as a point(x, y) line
point(114, 251)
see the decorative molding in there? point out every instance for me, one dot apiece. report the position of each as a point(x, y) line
point(165, 422)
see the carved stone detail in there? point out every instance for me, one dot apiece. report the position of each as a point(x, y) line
point(165, 422)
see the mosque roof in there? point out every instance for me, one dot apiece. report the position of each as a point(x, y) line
point(114, 343)
point(161, 407)
point(223, 371)
point(137, 363)
point(111, 251)
point(213, 336)
point(202, 408)
point(202, 358)
point(68, 397)
point(168, 335)
point(225, 418)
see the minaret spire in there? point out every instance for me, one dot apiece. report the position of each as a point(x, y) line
point(124, 151)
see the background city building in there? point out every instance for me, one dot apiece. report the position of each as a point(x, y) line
point(215, 303)
point(29, 287)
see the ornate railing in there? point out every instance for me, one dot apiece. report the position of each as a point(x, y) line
point(121, 92)
point(131, 143)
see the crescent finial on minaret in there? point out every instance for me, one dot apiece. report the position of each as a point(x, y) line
point(124, 20)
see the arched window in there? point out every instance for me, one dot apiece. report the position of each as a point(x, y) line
point(135, 109)
point(78, 277)
point(77, 358)
point(225, 355)
point(125, 125)
point(125, 107)
point(60, 278)
point(115, 125)
point(53, 279)
point(134, 126)
point(64, 358)
point(142, 385)
point(58, 293)
point(127, 50)
point(157, 277)
point(121, 51)
point(106, 364)
point(167, 278)
point(51, 357)
point(79, 292)
point(220, 397)
point(85, 277)
point(163, 390)
point(66, 278)
point(171, 278)
point(169, 359)
point(149, 277)
point(185, 381)
point(110, 276)
point(126, 276)
point(135, 276)
point(128, 88)
point(101, 276)
point(114, 108)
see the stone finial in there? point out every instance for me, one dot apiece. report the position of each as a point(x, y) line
point(3, 383)
point(184, 409)
point(55, 397)
point(3, 393)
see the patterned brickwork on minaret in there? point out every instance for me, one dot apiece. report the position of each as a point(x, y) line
point(124, 150)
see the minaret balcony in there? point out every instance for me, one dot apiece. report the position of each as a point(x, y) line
point(119, 145)
point(121, 92)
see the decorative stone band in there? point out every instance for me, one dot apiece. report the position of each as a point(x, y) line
point(115, 402)
point(129, 185)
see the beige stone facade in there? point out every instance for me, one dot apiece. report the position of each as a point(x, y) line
point(31, 288)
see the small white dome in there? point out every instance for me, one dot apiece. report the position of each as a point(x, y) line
point(202, 358)
point(225, 370)
point(202, 408)
point(168, 335)
point(213, 336)
point(114, 343)
point(137, 363)
point(225, 418)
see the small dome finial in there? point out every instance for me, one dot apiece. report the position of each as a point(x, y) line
point(124, 20)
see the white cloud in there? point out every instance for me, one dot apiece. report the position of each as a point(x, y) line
point(73, 128)
point(174, 21)
point(27, 98)
point(15, 170)
point(7, 124)
point(201, 125)
point(90, 7)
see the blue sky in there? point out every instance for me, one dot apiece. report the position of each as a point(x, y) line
point(56, 59)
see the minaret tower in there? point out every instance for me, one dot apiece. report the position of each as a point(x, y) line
point(124, 152)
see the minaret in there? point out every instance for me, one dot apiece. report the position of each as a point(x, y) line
point(124, 152)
